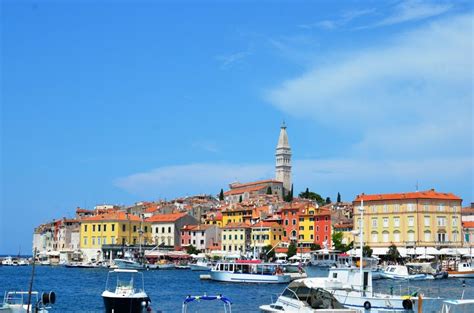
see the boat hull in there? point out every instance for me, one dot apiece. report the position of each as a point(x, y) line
point(406, 277)
point(249, 278)
point(354, 300)
point(195, 267)
point(466, 274)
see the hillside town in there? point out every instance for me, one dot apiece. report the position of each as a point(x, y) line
point(253, 218)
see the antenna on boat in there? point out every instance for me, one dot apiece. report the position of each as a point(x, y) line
point(31, 282)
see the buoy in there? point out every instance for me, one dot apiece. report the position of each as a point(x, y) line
point(367, 305)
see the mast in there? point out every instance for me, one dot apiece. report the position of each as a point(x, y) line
point(361, 238)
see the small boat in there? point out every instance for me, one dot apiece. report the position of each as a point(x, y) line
point(324, 257)
point(165, 266)
point(249, 271)
point(201, 265)
point(190, 299)
point(124, 294)
point(462, 270)
point(403, 272)
point(182, 267)
point(128, 264)
point(83, 265)
point(17, 302)
point(300, 298)
point(457, 306)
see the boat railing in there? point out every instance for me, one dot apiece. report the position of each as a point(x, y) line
point(226, 301)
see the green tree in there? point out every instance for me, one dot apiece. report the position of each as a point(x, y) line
point(221, 195)
point(191, 250)
point(315, 246)
point(268, 252)
point(337, 240)
point(240, 198)
point(291, 250)
point(338, 197)
point(216, 258)
point(367, 251)
point(269, 190)
point(393, 253)
point(289, 196)
point(328, 200)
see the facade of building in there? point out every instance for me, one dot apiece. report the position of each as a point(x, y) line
point(236, 238)
point(203, 237)
point(167, 228)
point(424, 218)
point(115, 228)
point(250, 190)
point(468, 234)
point(264, 234)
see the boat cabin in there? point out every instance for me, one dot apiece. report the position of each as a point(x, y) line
point(325, 257)
point(317, 298)
point(248, 267)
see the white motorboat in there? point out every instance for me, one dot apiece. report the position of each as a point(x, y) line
point(404, 272)
point(17, 302)
point(457, 306)
point(249, 271)
point(201, 265)
point(462, 270)
point(128, 264)
point(124, 294)
point(300, 298)
point(324, 257)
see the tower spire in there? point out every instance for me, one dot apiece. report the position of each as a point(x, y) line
point(283, 160)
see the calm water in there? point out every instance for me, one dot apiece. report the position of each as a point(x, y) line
point(79, 290)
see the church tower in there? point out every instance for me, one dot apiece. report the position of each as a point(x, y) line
point(283, 160)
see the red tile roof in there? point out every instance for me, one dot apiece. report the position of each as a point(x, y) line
point(161, 218)
point(266, 181)
point(112, 216)
point(469, 224)
point(243, 190)
point(428, 194)
point(237, 225)
point(265, 224)
point(196, 227)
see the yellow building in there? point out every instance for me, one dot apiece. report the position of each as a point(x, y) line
point(236, 237)
point(266, 233)
point(424, 219)
point(114, 228)
point(237, 214)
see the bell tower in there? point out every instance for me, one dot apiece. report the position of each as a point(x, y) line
point(283, 160)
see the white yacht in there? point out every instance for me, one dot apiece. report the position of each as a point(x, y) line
point(298, 297)
point(17, 302)
point(404, 272)
point(123, 294)
point(128, 264)
point(249, 271)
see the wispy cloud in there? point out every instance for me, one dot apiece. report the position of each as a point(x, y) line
point(412, 10)
point(229, 60)
point(344, 19)
point(408, 99)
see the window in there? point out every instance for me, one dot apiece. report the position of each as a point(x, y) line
point(85, 240)
point(301, 237)
point(454, 222)
point(311, 227)
point(93, 241)
point(286, 222)
point(294, 221)
point(98, 227)
point(427, 221)
point(326, 228)
point(241, 237)
point(396, 208)
point(85, 227)
point(112, 241)
point(105, 227)
point(385, 222)
point(301, 219)
point(124, 227)
point(426, 207)
point(235, 236)
point(427, 236)
point(396, 221)
point(169, 229)
point(441, 220)
point(455, 236)
point(98, 241)
point(301, 227)
point(441, 237)
point(134, 228)
point(396, 236)
point(223, 236)
point(373, 208)
point(441, 207)
point(385, 236)
point(411, 236)
point(374, 222)
point(311, 219)
point(411, 221)
point(385, 208)
point(93, 227)
point(113, 227)
point(202, 241)
point(374, 237)
point(162, 229)
point(411, 207)
point(311, 236)
point(317, 228)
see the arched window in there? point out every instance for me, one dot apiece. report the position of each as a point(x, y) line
point(375, 236)
point(385, 235)
point(396, 236)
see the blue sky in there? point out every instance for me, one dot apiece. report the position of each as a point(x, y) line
point(106, 102)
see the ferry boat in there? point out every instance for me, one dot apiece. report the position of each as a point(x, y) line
point(124, 294)
point(17, 302)
point(249, 271)
point(462, 270)
point(298, 297)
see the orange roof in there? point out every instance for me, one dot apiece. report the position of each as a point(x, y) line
point(151, 209)
point(166, 217)
point(265, 224)
point(196, 227)
point(243, 190)
point(112, 216)
point(237, 225)
point(469, 224)
point(428, 194)
point(256, 183)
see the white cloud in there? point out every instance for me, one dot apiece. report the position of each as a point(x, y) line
point(410, 96)
point(229, 60)
point(177, 180)
point(413, 10)
point(344, 19)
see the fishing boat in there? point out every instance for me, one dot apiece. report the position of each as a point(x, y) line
point(403, 272)
point(124, 294)
point(462, 270)
point(191, 299)
point(298, 297)
point(23, 301)
point(249, 271)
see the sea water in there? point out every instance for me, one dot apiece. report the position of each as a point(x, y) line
point(79, 290)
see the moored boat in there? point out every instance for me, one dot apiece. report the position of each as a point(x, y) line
point(17, 302)
point(249, 271)
point(403, 272)
point(124, 294)
point(128, 264)
point(462, 270)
